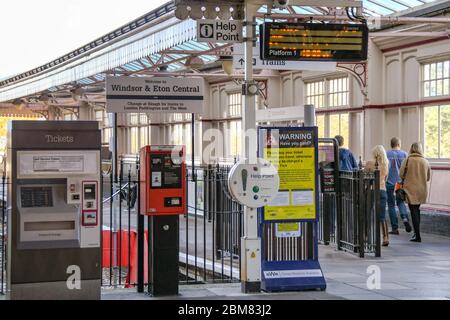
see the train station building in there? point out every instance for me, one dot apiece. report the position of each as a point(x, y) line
point(228, 150)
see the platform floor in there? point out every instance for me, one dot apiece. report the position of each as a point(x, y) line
point(408, 270)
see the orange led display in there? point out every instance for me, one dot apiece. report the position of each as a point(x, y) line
point(314, 41)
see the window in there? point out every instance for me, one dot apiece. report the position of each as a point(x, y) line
point(70, 116)
point(177, 117)
point(338, 92)
point(330, 93)
point(315, 93)
point(177, 137)
point(234, 104)
point(102, 117)
point(339, 126)
point(139, 131)
point(436, 79)
point(320, 120)
point(437, 132)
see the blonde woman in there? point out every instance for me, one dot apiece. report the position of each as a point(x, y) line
point(415, 172)
point(381, 161)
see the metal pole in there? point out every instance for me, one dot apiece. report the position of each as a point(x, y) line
point(116, 157)
point(140, 235)
point(311, 227)
point(193, 145)
point(250, 242)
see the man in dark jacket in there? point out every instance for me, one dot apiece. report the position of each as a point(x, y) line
point(347, 161)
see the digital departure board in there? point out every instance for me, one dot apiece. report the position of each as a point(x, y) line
point(314, 41)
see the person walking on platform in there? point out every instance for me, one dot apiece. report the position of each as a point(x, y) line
point(415, 173)
point(347, 161)
point(396, 157)
point(381, 162)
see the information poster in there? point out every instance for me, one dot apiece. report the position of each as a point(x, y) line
point(293, 152)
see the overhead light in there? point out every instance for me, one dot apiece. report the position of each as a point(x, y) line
point(163, 68)
point(194, 62)
point(77, 93)
point(182, 12)
point(237, 13)
point(196, 12)
point(44, 97)
point(224, 13)
point(210, 12)
point(227, 67)
point(20, 104)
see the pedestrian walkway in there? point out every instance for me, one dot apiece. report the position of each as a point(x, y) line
point(408, 271)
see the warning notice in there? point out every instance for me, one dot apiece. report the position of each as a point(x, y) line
point(292, 151)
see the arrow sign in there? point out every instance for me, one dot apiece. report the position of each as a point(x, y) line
point(239, 62)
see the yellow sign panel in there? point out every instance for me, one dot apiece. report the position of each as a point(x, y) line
point(296, 163)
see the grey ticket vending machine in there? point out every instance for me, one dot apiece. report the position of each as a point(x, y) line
point(54, 223)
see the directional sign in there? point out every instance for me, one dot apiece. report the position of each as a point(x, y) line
point(239, 62)
point(157, 95)
point(223, 31)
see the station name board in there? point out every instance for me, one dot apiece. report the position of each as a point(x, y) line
point(314, 41)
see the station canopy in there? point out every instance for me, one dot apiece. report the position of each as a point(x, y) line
point(159, 44)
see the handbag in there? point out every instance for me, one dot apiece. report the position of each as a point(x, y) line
point(400, 192)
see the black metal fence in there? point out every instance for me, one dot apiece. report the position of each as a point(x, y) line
point(3, 234)
point(210, 232)
point(358, 213)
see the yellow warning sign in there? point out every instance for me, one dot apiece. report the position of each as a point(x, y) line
point(292, 152)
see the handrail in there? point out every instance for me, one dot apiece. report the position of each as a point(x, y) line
point(116, 193)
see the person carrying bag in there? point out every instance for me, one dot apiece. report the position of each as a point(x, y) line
point(415, 173)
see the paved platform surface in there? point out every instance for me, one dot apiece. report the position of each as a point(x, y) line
point(408, 270)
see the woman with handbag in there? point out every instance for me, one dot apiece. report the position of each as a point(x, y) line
point(415, 173)
point(381, 162)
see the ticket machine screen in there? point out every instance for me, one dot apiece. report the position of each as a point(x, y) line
point(166, 174)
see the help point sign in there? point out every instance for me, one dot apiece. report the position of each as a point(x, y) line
point(154, 95)
point(224, 31)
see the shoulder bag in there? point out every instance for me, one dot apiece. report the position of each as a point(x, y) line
point(400, 192)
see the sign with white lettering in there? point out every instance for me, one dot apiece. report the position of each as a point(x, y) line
point(239, 62)
point(154, 95)
point(223, 31)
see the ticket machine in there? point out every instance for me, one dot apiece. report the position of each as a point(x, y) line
point(163, 199)
point(54, 221)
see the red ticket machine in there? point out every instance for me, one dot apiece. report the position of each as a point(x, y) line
point(163, 199)
point(163, 183)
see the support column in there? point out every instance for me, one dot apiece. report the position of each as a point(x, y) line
point(85, 111)
point(250, 242)
point(53, 113)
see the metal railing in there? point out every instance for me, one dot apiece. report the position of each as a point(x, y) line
point(210, 231)
point(358, 213)
point(3, 234)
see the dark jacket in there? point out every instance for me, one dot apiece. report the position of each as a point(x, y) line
point(347, 161)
